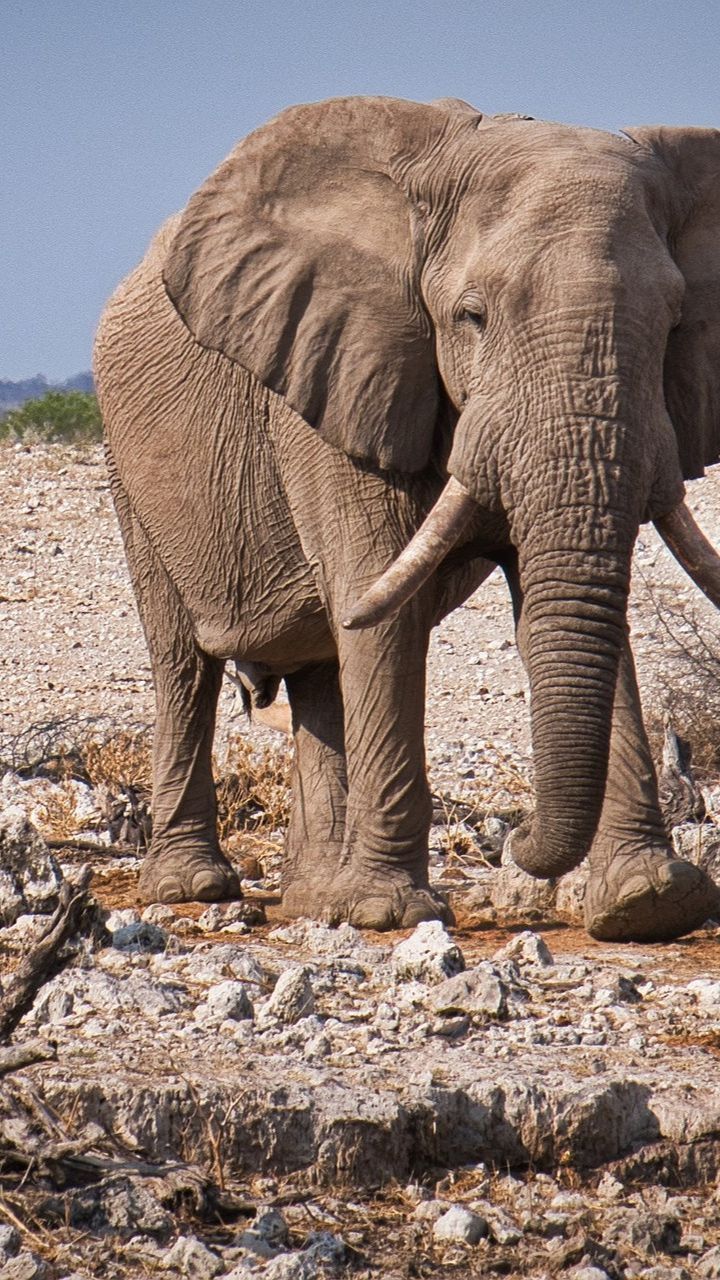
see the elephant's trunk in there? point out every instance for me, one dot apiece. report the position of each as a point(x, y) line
point(574, 626)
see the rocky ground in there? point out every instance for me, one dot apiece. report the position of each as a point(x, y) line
point(225, 1093)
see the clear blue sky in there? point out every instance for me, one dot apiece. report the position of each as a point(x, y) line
point(113, 111)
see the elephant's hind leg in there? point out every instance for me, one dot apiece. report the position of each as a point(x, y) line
point(184, 863)
point(638, 890)
point(314, 841)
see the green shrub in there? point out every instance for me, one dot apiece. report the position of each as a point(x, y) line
point(59, 415)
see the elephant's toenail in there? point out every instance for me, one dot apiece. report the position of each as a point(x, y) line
point(169, 889)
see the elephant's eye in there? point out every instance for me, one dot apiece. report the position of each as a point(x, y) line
point(472, 309)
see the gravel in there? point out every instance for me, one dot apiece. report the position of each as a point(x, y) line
point(560, 1092)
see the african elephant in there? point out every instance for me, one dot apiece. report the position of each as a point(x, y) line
point(386, 346)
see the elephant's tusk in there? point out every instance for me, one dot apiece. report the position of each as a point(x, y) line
point(692, 550)
point(436, 537)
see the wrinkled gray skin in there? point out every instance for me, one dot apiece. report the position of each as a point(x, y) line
point(367, 295)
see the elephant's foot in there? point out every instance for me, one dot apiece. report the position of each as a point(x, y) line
point(367, 899)
point(647, 895)
point(194, 874)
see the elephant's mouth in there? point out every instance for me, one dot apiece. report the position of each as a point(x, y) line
point(450, 516)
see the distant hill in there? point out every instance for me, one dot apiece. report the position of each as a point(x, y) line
point(13, 394)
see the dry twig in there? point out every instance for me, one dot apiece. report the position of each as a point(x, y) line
point(46, 957)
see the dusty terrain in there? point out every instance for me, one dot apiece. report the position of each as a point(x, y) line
point(236, 1096)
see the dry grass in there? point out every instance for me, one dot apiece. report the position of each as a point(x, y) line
point(686, 683)
point(57, 816)
point(253, 791)
point(121, 760)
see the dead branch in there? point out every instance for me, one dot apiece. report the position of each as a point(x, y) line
point(17, 1056)
point(94, 846)
point(46, 957)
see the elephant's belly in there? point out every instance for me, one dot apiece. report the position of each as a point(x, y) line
point(283, 640)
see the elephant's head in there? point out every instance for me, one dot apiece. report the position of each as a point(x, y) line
point(377, 262)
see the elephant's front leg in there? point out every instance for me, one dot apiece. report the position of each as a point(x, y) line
point(357, 846)
point(638, 890)
point(382, 879)
point(184, 863)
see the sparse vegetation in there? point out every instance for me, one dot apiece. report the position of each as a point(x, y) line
point(686, 684)
point(71, 416)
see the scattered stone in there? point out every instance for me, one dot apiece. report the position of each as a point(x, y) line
point(9, 1242)
point(326, 1248)
point(708, 1266)
point(267, 1234)
point(707, 993)
point(430, 1210)
point(527, 948)
point(192, 1259)
point(428, 955)
point(30, 876)
point(139, 936)
point(159, 913)
point(292, 997)
point(223, 916)
point(126, 1205)
point(501, 1227)
point(479, 993)
point(323, 942)
point(451, 1027)
point(119, 917)
point(291, 1266)
point(460, 1225)
point(650, 1232)
point(24, 1266)
point(228, 1000)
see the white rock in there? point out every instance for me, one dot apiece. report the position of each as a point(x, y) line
point(121, 917)
point(527, 948)
point(25, 1266)
point(460, 1225)
point(228, 1000)
point(30, 876)
point(326, 1248)
point(428, 955)
point(292, 997)
point(158, 913)
point(707, 993)
point(291, 1266)
point(708, 1266)
point(9, 1242)
point(193, 1259)
point(430, 1210)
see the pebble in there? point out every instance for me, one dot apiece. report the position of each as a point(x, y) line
point(460, 1225)
point(428, 955)
point(227, 1000)
point(192, 1259)
point(478, 992)
point(9, 1242)
point(527, 948)
point(292, 997)
point(139, 936)
point(708, 1266)
point(24, 1266)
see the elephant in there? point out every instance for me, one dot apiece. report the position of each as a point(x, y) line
point(386, 347)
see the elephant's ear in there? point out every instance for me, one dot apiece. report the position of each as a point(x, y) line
point(692, 361)
point(299, 259)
